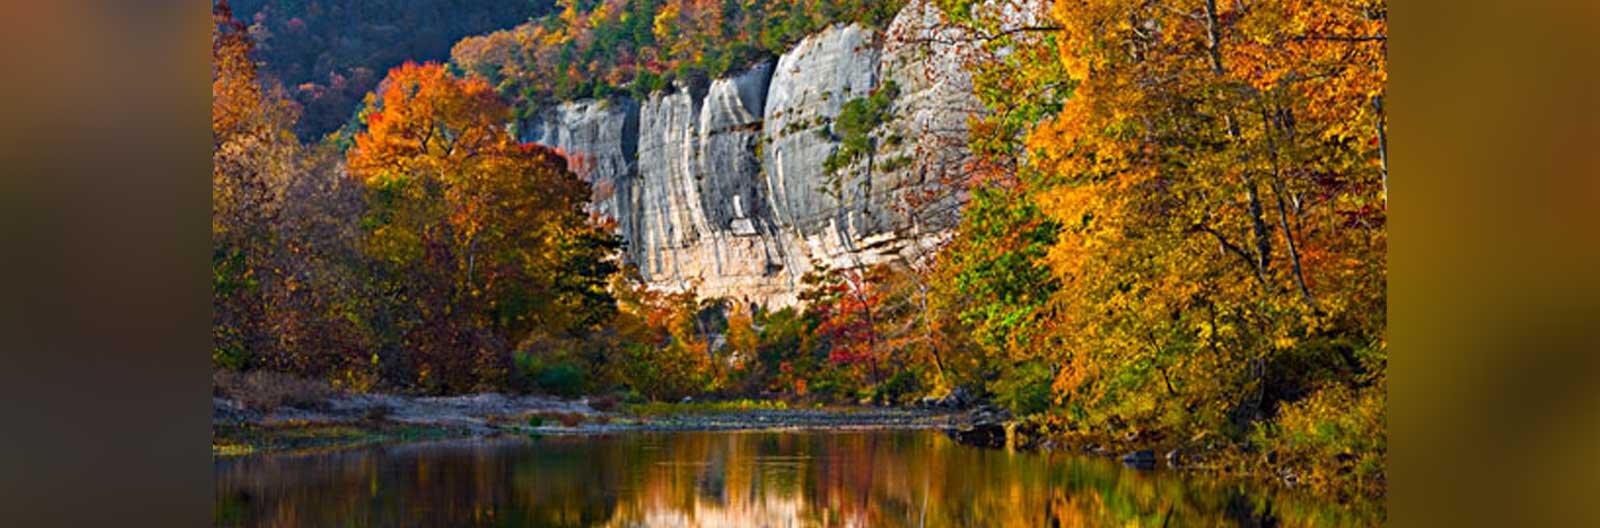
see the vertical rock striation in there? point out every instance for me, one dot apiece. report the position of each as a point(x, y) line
point(825, 213)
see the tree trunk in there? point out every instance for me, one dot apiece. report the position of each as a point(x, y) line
point(1263, 236)
point(1382, 124)
point(1294, 252)
point(1258, 225)
point(1283, 211)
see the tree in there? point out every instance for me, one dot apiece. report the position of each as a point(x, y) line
point(1218, 196)
point(485, 238)
point(844, 306)
point(666, 353)
point(743, 341)
point(253, 156)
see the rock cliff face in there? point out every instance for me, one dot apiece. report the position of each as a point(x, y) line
point(602, 139)
point(724, 187)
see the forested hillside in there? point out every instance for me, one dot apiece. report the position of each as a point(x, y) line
point(330, 53)
point(594, 48)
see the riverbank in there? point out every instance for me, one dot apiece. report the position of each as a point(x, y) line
point(351, 420)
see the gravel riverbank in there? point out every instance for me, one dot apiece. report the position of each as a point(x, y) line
point(359, 419)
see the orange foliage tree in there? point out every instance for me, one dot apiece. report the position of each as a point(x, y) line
point(486, 237)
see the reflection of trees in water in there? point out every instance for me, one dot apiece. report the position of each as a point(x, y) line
point(733, 479)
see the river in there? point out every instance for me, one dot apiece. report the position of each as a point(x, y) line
point(737, 479)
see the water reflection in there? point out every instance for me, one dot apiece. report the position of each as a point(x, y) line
point(883, 478)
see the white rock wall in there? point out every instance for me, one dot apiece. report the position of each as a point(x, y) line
point(723, 188)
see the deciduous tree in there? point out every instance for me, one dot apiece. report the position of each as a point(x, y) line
point(486, 238)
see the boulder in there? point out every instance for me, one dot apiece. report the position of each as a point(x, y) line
point(990, 435)
point(1141, 459)
point(957, 399)
point(984, 426)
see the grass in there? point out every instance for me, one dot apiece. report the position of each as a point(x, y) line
point(542, 419)
point(240, 440)
point(650, 409)
point(231, 449)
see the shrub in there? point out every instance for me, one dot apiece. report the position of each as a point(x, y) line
point(895, 163)
point(897, 388)
point(824, 389)
point(569, 419)
point(228, 357)
point(1025, 388)
point(266, 390)
point(605, 403)
point(561, 379)
point(1334, 439)
point(858, 118)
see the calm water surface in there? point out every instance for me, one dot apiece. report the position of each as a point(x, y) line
point(736, 479)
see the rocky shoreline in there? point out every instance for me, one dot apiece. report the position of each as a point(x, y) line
point(359, 419)
point(353, 420)
point(991, 427)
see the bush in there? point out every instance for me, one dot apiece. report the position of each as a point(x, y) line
point(1333, 440)
point(605, 403)
point(569, 419)
point(228, 358)
point(897, 388)
point(1025, 388)
point(561, 379)
point(824, 389)
point(266, 390)
point(895, 163)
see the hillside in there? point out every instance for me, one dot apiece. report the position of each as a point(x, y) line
point(599, 48)
point(331, 53)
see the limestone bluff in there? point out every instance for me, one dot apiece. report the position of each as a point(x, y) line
point(723, 186)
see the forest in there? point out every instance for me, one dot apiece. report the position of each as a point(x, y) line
point(1177, 223)
point(329, 53)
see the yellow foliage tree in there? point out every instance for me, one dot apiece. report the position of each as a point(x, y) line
point(1218, 177)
